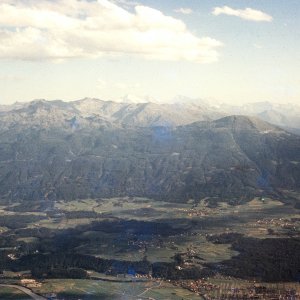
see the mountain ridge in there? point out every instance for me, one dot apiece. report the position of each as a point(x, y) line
point(233, 158)
point(181, 112)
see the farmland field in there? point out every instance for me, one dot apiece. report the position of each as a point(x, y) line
point(7, 293)
point(159, 245)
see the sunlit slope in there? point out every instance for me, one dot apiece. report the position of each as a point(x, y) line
point(97, 113)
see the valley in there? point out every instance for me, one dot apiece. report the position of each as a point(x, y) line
point(154, 248)
point(100, 200)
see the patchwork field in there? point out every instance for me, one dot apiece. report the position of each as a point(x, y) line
point(169, 241)
point(108, 290)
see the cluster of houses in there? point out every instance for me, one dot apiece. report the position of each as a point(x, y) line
point(282, 223)
point(200, 286)
point(225, 290)
point(192, 212)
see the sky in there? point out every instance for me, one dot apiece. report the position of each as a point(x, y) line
point(233, 51)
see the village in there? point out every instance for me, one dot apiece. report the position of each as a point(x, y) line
point(277, 226)
point(221, 288)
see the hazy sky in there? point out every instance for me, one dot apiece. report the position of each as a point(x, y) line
point(231, 50)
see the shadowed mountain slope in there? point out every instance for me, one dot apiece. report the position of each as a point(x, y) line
point(50, 152)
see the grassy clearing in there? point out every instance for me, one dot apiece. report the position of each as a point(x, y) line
point(92, 289)
point(28, 239)
point(136, 209)
point(64, 223)
point(7, 293)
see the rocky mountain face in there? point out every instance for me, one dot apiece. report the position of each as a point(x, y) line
point(95, 112)
point(181, 111)
point(57, 150)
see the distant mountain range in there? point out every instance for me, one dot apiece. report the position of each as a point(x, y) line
point(284, 115)
point(53, 150)
point(96, 112)
point(181, 111)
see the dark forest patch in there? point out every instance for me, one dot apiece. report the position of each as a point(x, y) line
point(268, 259)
